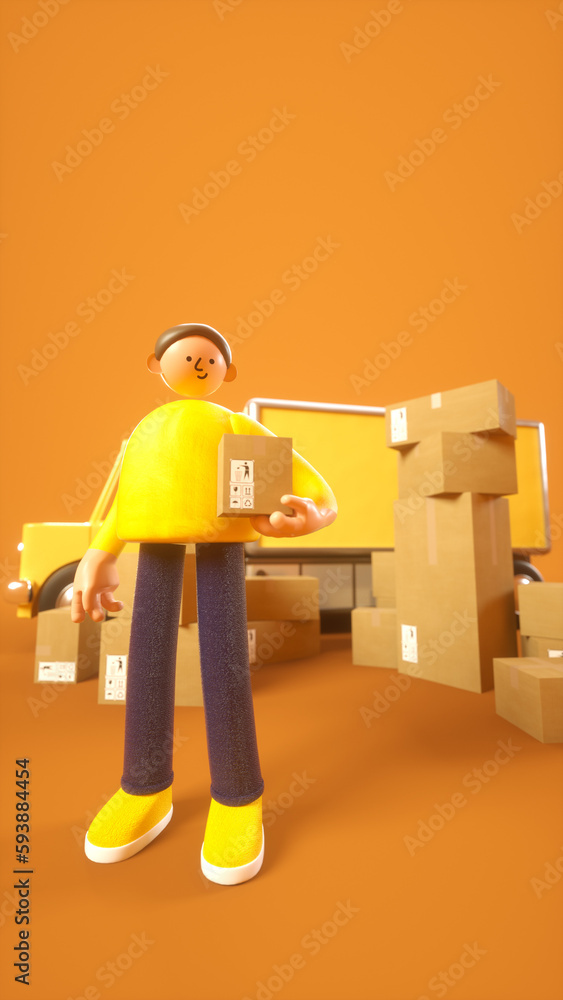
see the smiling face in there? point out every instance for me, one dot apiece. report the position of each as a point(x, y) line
point(193, 367)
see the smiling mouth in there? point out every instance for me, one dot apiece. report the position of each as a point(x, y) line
point(203, 376)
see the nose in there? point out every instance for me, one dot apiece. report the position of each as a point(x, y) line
point(197, 368)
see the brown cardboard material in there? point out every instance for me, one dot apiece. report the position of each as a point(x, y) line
point(535, 645)
point(448, 462)
point(374, 637)
point(541, 609)
point(127, 569)
point(277, 641)
point(188, 606)
point(529, 693)
point(253, 472)
point(64, 651)
point(455, 589)
point(383, 578)
point(472, 409)
point(114, 654)
point(282, 598)
point(268, 641)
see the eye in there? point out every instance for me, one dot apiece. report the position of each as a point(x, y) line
point(189, 358)
point(211, 361)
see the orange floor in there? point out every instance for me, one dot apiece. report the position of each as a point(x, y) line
point(350, 902)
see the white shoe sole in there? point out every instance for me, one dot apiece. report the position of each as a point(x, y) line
point(235, 875)
point(108, 855)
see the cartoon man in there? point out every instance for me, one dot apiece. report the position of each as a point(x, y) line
point(166, 498)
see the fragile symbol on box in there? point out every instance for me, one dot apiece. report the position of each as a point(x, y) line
point(57, 671)
point(409, 644)
point(116, 678)
point(241, 484)
point(399, 424)
point(252, 645)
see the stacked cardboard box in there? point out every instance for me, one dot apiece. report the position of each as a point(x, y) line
point(529, 689)
point(283, 624)
point(116, 632)
point(374, 630)
point(454, 569)
point(64, 651)
point(283, 618)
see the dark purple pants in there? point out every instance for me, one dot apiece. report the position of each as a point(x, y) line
point(225, 672)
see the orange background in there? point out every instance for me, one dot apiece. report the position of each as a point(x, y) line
point(322, 176)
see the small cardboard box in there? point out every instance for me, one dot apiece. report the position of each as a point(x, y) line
point(114, 655)
point(383, 578)
point(455, 589)
point(472, 409)
point(254, 471)
point(448, 462)
point(529, 693)
point(282, 598)
point(64, 651)
point(541, 609)
point(374, 637)
point(277, 641)
point(535, 645)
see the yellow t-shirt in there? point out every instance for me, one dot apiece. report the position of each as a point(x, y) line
point(167, 488)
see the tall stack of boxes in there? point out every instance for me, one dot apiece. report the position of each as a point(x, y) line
point(453, 555)
point(374, 629)
point(529, 689)
point(283, 624)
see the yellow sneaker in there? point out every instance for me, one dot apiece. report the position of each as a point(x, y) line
point(126, 824)
point(233, 846)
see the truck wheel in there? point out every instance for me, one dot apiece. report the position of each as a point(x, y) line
point(56, 592)
point(523, 568)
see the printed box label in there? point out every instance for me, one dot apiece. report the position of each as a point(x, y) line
point(56, 671)
point(409, 643)
point(399, 424)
